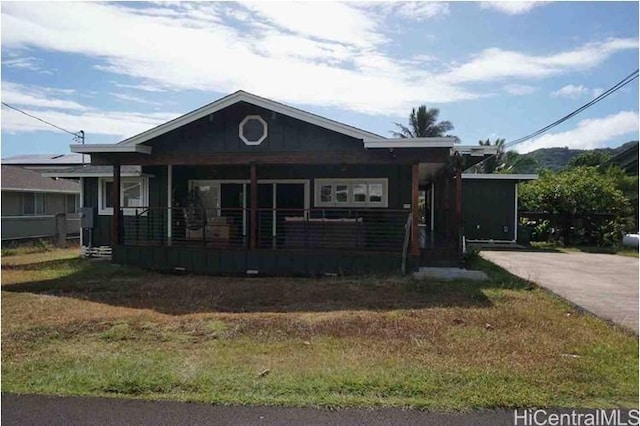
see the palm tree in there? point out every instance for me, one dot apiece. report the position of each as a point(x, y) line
point(423, 123)
point(505, 161)
point(493, 163)
point(518, 163)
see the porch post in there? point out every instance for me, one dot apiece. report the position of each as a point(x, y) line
point(415, 211)
point(169, 203)
point(253, 206)
point(115, 225)
point(458, 216)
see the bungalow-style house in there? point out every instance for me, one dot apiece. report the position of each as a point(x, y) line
point(246, 185)
point(36, 207)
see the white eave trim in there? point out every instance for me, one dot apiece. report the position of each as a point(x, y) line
point(499, 176)
point(48, 191)
point(475, 150)
point(108, 148)
point(88, 174)
point(443, 142)
point(241, 96)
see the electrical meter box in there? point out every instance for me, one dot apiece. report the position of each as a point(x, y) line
point(86, 218)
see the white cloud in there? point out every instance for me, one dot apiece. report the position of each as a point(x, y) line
point(420, 10)
point(519, 89)
point(113, 123)
point(570, 91)
point(512, 7)
point(335, 22)
point(43, 102)
point(21, 95)
point(131, 98)
point(318, 54)
point(588, 134)
point(24, 63)
point(494, 63)
point(150, 87)
point(329, 55)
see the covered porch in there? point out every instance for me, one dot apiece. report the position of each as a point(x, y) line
point(269, 218)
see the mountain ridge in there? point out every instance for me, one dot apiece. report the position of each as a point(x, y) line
point(557, 158)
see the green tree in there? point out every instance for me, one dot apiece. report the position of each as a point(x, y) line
point(585, 204)
point(513, 162)
point(493, 163)
point(423, 123)
point(505, 161)
point(590, 159)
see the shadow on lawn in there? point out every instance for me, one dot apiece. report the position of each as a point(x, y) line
point(102, 282)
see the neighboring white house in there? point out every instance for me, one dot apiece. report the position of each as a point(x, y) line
point(31, 202)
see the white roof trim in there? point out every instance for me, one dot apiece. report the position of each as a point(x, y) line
point(475, 150)
point(440, 142)
point(104, 148)
point(85, 174)
point(499, 176)
point(49, 191)
point(241, 96)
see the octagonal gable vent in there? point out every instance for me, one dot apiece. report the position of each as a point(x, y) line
point(253, 130)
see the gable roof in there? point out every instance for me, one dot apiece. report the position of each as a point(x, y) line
point(18, 179)
point(242, 96)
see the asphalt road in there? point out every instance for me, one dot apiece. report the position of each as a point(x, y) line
point(603, 284)
point(48, 410)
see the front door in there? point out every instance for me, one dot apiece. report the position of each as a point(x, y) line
point(290, 200)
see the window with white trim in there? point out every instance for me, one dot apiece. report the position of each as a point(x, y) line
point(253, 130)
point(351, 192)
point(72, 203)
point(134, 192)
point(33, 203)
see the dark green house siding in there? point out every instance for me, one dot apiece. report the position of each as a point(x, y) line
point(488, 209)
point(219, 133)
point(100, 235)
point(399, 178)
point(265, 262)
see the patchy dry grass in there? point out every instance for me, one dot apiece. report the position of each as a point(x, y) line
point(71, 326)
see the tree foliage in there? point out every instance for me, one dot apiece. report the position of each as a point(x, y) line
point(505, 161)
point(493, 163)
point(423, 123)
point(584, 204)
point(590, 159)
point(514, 162)
point(578, 191)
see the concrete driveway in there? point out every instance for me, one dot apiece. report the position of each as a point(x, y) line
point(604, 284)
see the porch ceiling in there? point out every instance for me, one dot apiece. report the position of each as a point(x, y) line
point(427, 171)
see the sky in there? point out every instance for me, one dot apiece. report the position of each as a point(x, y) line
point(494, 69)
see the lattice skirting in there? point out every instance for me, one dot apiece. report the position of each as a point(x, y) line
point(101, 251)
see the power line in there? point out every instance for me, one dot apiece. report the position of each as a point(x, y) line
point(77, 135)
point(628, 79)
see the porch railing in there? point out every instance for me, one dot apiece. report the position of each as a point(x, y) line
point(282, 228)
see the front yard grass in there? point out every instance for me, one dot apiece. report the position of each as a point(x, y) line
point(76, 327)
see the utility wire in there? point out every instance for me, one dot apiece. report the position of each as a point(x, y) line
point(628, 79)
point(77, 135)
